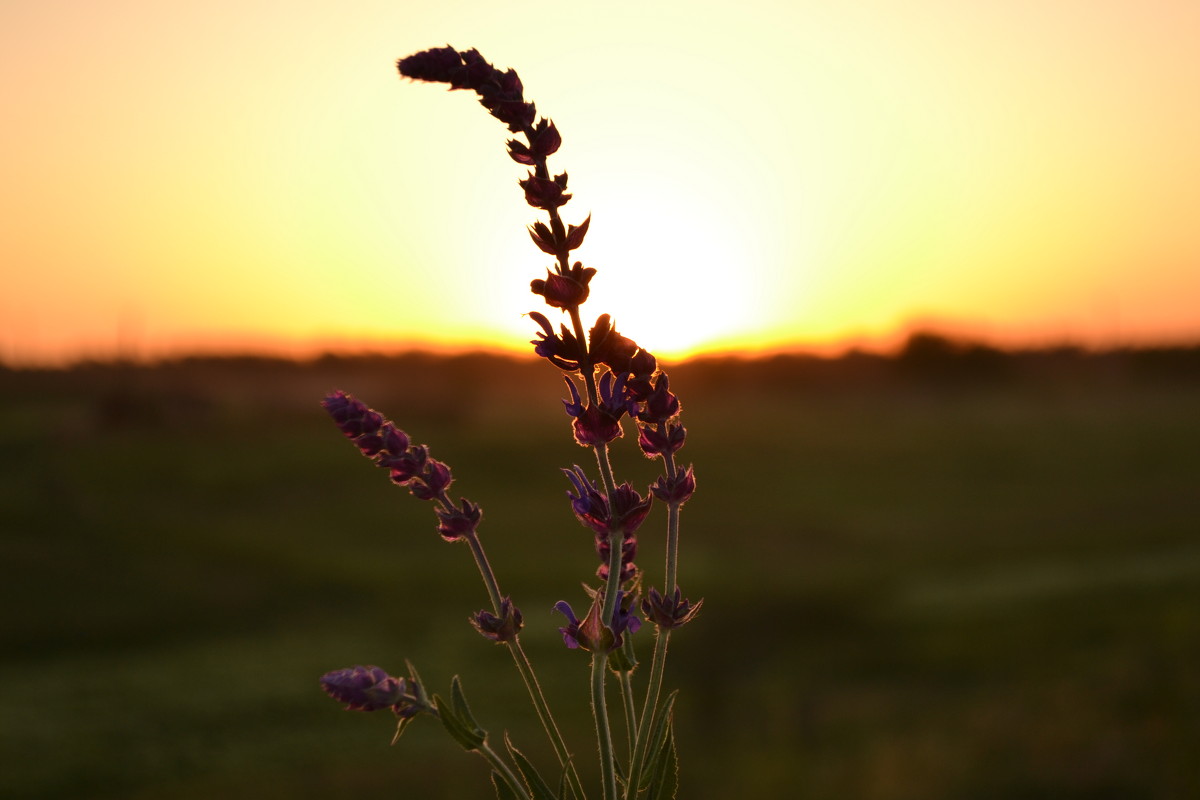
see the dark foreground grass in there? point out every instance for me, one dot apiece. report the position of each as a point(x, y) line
point(916, 587)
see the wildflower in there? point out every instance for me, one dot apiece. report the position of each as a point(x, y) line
point(560, 349)
point(565, 288)
point(660, 404)
point(548, 242)
point(545, 193)
point(502, 628)
point(677, 489)
point(368, 689)
point(671, 611)
point(455, 523)
point(544, 140)
point(590, 634)
point(662, 439)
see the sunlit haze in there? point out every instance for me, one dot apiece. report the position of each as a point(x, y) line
point(254, 176)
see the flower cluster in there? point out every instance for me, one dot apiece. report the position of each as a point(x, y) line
point(407, 464)
point(591, 633)
point(619, 517)
point(372, 689)
point(610, 380)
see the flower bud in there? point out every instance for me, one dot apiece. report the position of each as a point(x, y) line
point(502, 628)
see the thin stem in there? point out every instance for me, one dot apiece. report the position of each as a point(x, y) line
point(525, 667)
point(543, 711)
point(503, 769)
point(630, 712)
point(649, 710)
point(603, 734)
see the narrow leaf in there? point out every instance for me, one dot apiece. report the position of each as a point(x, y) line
point(470, 737)
point(529, 772)
point(503, 790)
point(665, 781)
point(654, 748)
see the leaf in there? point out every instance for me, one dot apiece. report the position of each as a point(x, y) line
point(664, 780)
point(529, 772)
point(658, 736)
point(503, 790)
point(470, 736)
point(403, 723)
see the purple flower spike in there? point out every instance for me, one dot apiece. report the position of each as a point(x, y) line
point(364, 688)
point(503, 628)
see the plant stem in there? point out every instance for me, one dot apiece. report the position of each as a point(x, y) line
point(603, 734)
point(649, 710)
point(525, 667)
point(503, 769)
point(630, 712)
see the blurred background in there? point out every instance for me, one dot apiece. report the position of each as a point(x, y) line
point(923, 274)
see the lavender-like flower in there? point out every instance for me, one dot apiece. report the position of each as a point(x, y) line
point(619, 379)
point(370, 689)
point(590, 633)
point(407, 464)
point(499, 628)
point(671, 611)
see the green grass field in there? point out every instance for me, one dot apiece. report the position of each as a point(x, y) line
point(916, 585)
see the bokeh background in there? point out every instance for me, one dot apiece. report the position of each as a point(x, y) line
point(924, 276)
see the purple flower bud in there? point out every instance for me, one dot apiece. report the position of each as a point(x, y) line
point(595, 427)
point(588, 504)
point(609, 347)
point(629, 509)
point(561, 350)
point(543, 193)
point(365, 689)
point(545, 139)
point(590, 633)
point(677, 489)
point(661, 404)
point(661, 440)
point(544, 238)
point(519, 152)
point(574, 406)
point(671, 611)
point(502, 628)
point(436, 65)
point(560, 291)
point(394, 439)
point(575, 233)
point(455, 523)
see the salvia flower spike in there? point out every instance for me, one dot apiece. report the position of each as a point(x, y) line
point(611, 380)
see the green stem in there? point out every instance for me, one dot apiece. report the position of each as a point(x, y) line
point(505, 771)
point(525, 667)
point(630, 712)
point(543, 711)
point(649, 710)
point(603, 734)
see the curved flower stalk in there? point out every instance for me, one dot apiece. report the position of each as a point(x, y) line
point(610, 381)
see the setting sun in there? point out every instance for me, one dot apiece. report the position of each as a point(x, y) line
point(181, 178)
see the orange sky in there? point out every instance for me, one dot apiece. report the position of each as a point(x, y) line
point(185, 175)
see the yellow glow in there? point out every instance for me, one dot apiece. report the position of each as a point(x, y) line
point(185, 175)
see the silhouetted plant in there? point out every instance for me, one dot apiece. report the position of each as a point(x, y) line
point(621, 383)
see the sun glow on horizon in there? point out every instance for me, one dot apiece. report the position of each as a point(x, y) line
point(790, 176)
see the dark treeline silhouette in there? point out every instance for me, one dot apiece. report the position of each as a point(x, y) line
point(190, 388)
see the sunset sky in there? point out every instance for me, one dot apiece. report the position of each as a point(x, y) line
point(195, 176)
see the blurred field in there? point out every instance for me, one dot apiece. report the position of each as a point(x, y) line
point(957, 574)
